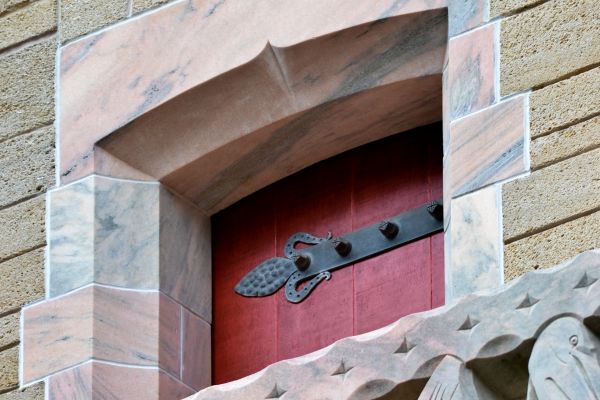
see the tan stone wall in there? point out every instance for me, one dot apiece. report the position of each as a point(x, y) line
point(552, 48)
point(29, 36)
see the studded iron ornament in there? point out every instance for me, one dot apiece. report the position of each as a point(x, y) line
point(315, 263)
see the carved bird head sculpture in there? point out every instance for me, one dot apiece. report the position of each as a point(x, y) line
point(565, 363)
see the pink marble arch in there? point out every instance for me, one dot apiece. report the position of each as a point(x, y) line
point(202, 114)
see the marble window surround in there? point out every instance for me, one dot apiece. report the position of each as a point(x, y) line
point(130, 114)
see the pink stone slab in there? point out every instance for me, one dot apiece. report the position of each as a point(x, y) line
point(110, 78)
point(471, 71)
point(96, 380)
point(124, 326)
point(488, 146)
point(196, 350)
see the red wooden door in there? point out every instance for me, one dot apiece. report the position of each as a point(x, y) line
point(344, 193)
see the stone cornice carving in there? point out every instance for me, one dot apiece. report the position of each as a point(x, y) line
point(479, 347)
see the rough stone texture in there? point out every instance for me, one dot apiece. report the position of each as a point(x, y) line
point(491, 333)
point(22, 280)
point(37, 18)
point(27, 88)
point(503, 7)
point(78, 17)
point(8, 5)
point(26, 165)
point(566, 143)
point(143, 5)
point(548, 42)
point(551, 246)
point(565, 102)
point(22, 227)
point(551, 195)
point(9, 330)
point(35, 392)
point(9, 366)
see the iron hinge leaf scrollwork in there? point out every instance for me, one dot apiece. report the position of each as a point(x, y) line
point(315, 263)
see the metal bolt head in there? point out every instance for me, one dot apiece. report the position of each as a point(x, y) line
point(388, 229)
point(301, 261)
point(342, 246)
point(436, 210)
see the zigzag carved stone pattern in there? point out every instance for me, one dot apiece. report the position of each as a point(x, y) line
point(534, 339)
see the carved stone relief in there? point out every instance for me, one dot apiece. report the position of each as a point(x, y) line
point(534, 339)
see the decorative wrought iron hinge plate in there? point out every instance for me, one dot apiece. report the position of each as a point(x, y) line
point(315, 263)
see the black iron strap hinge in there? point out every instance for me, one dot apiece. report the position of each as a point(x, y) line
point(327, 254)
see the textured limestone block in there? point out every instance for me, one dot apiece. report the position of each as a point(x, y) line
point(566, 143)
point(22, 280)
point(7, 5)
point(503, 7)
point(143, 5)
point(79, 17)
point(9, 368)
point(35, 392)
point(552, 246)
point(37, 18)
point(22, 227)
point(565, 102)
point(26, 165)
point(9, 330)
point(27, 88)
point(548, 42)
point(552, 195)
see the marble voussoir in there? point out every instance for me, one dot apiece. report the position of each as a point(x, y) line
point(491, 345)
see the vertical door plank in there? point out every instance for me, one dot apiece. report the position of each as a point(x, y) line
point(316, 200)
point(243, 328)
point(392, 176)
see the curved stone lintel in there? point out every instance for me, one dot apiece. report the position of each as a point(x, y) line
point(308, 54)
point(480, 330)
point(289, 108)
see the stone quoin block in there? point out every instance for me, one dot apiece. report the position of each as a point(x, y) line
point(475, 240)
point(487, 147)
point(132, 235)
point(472, 71)
point(122, 326)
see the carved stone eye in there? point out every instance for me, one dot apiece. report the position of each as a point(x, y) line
point(574, 340)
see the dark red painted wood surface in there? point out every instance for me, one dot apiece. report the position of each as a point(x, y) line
point(357, 188)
